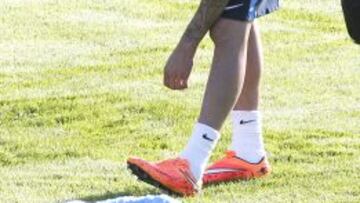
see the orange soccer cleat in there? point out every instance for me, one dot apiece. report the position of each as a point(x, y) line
point(173, 175)
point(232, 168)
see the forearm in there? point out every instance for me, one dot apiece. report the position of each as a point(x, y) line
point(206, 15)
point(179, 65)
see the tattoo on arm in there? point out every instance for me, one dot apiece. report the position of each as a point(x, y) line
point(207, 14)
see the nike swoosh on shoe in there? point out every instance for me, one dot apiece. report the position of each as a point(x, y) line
point(222, 170)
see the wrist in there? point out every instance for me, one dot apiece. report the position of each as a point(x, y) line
point(187, 46)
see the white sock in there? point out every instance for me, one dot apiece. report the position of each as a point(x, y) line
point(199, 148)
point(247, 140)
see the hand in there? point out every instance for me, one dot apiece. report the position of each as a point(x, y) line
point(178, 68)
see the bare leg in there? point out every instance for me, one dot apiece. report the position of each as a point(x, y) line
point(227, 72)
point(247, 141)
point(249, 97)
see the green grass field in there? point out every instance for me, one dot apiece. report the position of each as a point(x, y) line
point(81, 90)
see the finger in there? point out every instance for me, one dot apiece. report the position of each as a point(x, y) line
point(184, 84)
point(171, 83)
point(180, 83)
point(166, 79)
point(176, 83)
point(183, 81)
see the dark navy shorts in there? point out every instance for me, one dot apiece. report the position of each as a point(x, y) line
point(248, 10)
